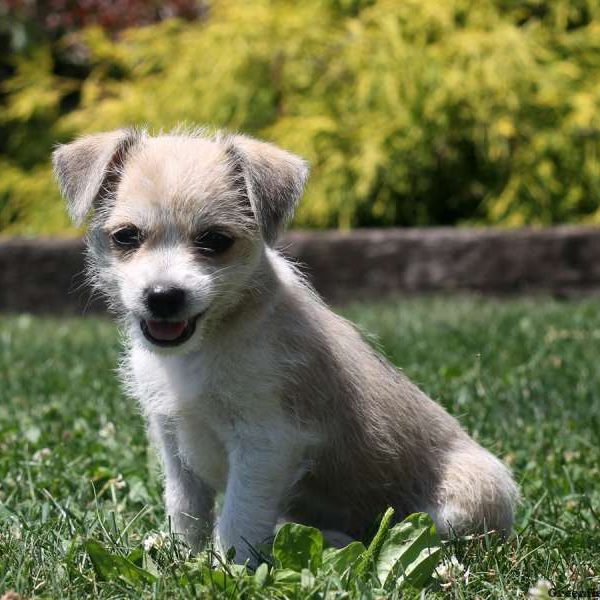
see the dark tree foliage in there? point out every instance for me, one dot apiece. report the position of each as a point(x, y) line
point(417, 112)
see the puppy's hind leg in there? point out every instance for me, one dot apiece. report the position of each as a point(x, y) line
point(476, 492)
point(188, 499)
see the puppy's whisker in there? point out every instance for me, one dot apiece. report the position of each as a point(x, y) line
point(92, 296)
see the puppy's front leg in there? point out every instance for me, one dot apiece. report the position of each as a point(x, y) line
point(260, 474)
point(189, 500)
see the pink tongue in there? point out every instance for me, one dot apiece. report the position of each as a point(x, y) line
point(166, 330)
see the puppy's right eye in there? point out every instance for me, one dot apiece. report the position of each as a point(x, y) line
point(211, 243)
point(127, 238)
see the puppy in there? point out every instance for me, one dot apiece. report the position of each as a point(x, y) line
point(250, 385)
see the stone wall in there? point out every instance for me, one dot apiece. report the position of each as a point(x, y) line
point(46, 275)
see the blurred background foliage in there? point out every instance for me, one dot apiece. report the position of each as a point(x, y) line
point(418, 112)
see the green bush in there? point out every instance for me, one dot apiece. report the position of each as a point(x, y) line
point(411, 113)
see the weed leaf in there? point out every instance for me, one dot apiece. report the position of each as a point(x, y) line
point(261, 576)
point(114, 566)
point(343, 559)
point(409, 553)
point(298, 547)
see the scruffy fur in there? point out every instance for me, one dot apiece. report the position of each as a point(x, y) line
point(274, 400)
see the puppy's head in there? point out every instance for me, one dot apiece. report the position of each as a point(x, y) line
point(179, 223)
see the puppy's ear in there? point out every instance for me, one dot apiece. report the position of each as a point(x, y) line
point(89, 167)
point(274, 179)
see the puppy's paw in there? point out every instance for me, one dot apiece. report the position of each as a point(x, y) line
point(451, 519)
point(240, 553)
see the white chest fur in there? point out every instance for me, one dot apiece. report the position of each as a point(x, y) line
point(215, 403)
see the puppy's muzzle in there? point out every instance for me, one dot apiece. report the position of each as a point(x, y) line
point(166, 305)
point(165, 302)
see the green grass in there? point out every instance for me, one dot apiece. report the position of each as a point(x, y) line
point(522, 375)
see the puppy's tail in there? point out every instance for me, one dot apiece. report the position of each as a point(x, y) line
point(477, 493)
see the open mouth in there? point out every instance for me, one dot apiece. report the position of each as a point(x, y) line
point(168, 333)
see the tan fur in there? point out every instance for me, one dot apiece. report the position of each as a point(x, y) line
point(275, 399)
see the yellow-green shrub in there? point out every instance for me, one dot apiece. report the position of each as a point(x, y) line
point(414, 112)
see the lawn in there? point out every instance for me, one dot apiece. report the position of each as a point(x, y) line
point(77, 477)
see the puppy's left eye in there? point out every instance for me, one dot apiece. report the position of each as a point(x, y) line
point(127, 238)
point(211, 243)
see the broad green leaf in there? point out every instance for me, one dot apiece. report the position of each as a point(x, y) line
point(261, 575)
point(216, 579)
point(136, 556)
point(287, 576)
point(150, 565)
point(298, 547)
point(342, 559)
point(237, 570)
point(307, 579)
point(114, 566)
point(409, 553)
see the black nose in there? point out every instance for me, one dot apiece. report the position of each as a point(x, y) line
point(164, 301)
